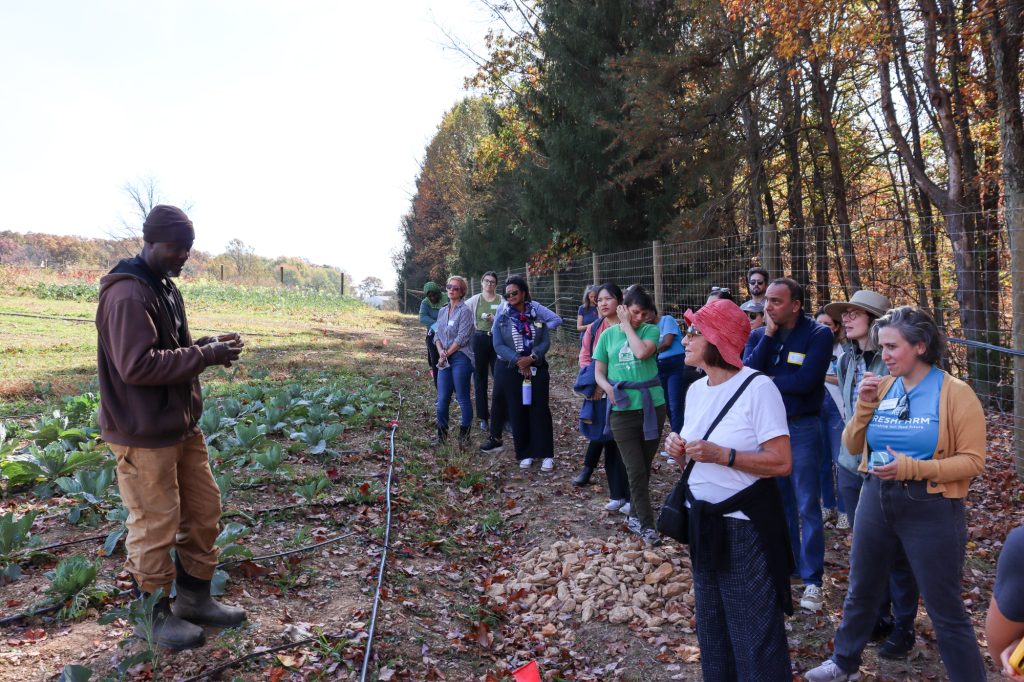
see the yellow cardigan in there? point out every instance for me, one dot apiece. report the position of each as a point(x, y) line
point(959, 453)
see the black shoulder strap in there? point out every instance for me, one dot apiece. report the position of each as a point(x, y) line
point(721, 416)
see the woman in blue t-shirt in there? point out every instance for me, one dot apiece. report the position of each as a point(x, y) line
point(675, 376)
point(922, 435)
point(587, 313)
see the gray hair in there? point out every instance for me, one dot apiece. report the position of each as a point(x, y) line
point(915, 326)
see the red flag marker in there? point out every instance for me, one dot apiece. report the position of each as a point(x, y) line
point(528, 673)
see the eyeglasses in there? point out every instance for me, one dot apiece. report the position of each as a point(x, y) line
point(754, 316)
point(903, 408)
point(453, 287)
point(514, 292)
point(692, 331)
point(852, 314)
point(755, 282)
point(491, 281)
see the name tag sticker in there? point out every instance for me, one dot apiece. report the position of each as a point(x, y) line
point(451, 323)
point(888, 404)
point(494, 306)
point(795, 358)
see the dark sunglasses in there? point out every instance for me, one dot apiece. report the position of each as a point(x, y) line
point(453, 287)
point(754, 316)
point(514, 292)
point(692, 331)
point(756, 282)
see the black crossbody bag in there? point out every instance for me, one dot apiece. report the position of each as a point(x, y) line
point(674, 520)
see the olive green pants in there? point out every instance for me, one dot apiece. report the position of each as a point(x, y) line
point(172, 501)
point(637, 455)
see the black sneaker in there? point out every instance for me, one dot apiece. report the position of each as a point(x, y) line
point(492, 447)
point(899, 644)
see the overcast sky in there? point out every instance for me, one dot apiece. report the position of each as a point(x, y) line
point(295, 126)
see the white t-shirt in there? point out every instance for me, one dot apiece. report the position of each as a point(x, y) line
point(756, 417)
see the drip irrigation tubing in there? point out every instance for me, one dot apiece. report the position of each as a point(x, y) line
point(18, 617)
point(258, 654)
point(58, 545)
point(290, 551)
point(384, 553)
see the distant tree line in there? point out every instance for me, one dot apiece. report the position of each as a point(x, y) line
point(238, 264)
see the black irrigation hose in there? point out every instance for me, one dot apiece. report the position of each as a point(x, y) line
point(258, 654)
point(18, 617)
point(384, 554)
point(58, 545)
point(291, 551)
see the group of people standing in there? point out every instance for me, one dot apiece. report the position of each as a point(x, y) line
point(775, 417)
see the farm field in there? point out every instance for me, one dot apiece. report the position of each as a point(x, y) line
point(488, 567)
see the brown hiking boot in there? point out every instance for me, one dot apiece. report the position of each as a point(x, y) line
point(195, 605)
point(171, 632)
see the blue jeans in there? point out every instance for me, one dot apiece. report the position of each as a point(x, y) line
point(831, 435)
point(933, 531)
point(899, 600)
point(675, 379)
point(455, 378)
point(801, 499)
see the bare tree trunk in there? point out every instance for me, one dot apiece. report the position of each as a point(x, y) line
point(791, 119)
point(822, 95)
point(820, 229)
point(1005, 30)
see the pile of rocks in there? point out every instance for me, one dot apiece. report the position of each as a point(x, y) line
point(616, 580)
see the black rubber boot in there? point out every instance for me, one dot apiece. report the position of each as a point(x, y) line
point(464, 434)
point(441, 437)
point(171, 632)
point(195, 604)
point(883, 626)
point(583, 477)
point(900, 642)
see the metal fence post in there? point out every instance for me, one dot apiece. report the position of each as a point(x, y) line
point(527, 268)
point(282, 274)
point(558, 294)
point(593, 265)
point(659, 289)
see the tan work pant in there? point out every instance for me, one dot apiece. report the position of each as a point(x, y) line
point(172, 501)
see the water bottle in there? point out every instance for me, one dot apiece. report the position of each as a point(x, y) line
point(527, 392)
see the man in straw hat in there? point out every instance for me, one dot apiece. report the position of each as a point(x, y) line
point(148, 367)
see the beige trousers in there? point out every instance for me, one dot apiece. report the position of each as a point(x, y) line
point(172, 501)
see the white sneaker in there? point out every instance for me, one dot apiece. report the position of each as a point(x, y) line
point(843, 522)
point(614, 504)
point(633, 524)
point(626, 508)
point(526, 463)
point(548, 464)
point(830, 672)
point(811, 599)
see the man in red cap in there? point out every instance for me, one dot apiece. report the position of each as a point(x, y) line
point(148, 367)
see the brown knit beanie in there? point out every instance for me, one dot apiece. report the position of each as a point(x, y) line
point(167, 224)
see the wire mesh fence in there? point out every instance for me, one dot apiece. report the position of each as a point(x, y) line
point(962, 276)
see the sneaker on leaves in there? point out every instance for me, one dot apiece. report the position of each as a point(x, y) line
point(626, 508)
point(526, 463)
point(843, 522)
point(614, 504)
point(829, 672)
point(651, 537)
point(633, 524)
point(548, 464)
point(811, 599)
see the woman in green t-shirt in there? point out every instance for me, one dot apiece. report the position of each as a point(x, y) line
point(627, 371)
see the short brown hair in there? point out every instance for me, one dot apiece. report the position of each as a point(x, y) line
point(713, 358)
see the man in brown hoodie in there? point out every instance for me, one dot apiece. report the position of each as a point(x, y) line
point(150, 404)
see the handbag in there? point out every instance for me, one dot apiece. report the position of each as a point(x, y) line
point(674, 519)
point(586, 380)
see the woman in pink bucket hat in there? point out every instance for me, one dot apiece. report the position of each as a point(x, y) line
point(735, 440)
